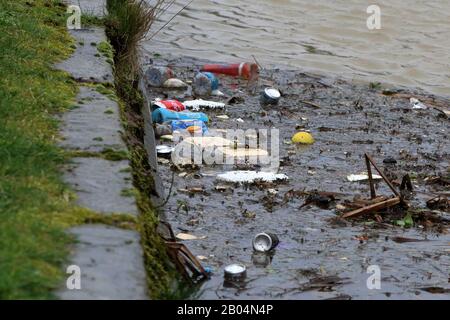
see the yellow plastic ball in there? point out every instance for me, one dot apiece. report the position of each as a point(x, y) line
point(303, 138)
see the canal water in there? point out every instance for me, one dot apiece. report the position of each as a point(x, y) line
point(412, 48)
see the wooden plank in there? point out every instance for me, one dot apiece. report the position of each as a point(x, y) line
point(373, 208)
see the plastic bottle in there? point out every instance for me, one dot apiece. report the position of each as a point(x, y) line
point(245, 70)
point(156, 76)
point(205, 83)
point(161, 115)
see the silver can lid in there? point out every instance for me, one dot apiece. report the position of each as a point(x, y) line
point(272, 93)
point(235, 270)
point(262, 242)
point(164, 149)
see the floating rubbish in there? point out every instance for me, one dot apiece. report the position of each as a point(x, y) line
point(265, 242)
point(157, 76)
point(250, 176)
point(245, 70)
point(161, 115)
point(175, 84)
point(194, 129)
point(173, 105)
point(164, 151)
point(375, 203)
point(217, 93)
point(417, 105)
point(223, 117)
point(362, 177)
point(270, 96)
point(205, 142)
point(166, 137)
point(303, 138)
point(243, 152)
point(194, 125)
point(240, 120)
point(235, 272)
point(162, 130)
point(205, 83)
point(202, 258)
point(198, 104)
point(187, 236)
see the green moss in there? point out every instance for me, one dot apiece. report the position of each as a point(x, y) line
point(162, 278)
point(91, 20)
point(129, 192)
point(106, 50)
point(107, 154)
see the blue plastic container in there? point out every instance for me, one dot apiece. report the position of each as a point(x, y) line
point(161, 115)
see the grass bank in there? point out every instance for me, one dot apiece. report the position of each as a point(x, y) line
point(36, 207)
point(34, 203)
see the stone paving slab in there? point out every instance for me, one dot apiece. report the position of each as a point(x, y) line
point(93, 125)
point(101, 185)
point(87, 64)
point(111, 264)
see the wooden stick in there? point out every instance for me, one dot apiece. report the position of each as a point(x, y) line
point(373, 194)
point(383, 176)
point(373, 208)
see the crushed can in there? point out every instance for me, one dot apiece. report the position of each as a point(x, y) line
point(265, 242)
point(157, 76)
point(205, 83)
point(172, 105)
point(270, 96)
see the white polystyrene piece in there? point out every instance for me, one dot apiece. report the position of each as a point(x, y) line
point(250, 176)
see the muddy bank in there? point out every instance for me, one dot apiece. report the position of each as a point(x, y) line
point(318, 258)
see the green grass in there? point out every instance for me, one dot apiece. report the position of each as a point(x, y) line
point(34, 204)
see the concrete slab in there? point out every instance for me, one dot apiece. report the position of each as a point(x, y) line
point(111, 265)
point(94, 125)
point(87, 64)
point(101, 185)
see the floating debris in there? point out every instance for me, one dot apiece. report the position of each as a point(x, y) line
point(362, 177)
point(265, 242)
point(187, 236)
point(250, 176)
point(303, 138)
point(199, 104)
point(417, 105)
point(175, 84)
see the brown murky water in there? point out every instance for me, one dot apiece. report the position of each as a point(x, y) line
point(412, 48)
